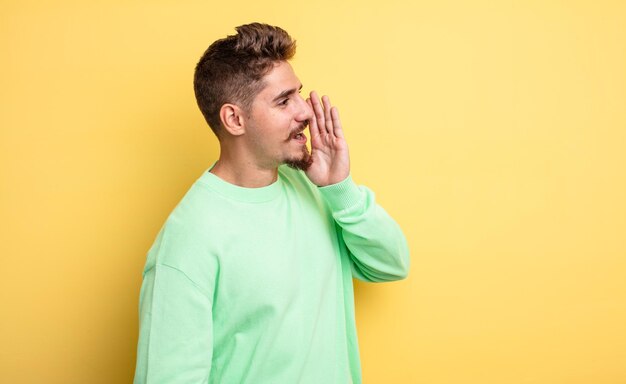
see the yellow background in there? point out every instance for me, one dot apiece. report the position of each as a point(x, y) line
point(493, 131)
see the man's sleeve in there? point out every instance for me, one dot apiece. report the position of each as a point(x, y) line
point(175, 335)
point(377, 247)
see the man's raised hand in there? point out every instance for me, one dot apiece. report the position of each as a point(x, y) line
point(329, 150)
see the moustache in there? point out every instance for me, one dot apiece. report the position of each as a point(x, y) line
point(300, 128)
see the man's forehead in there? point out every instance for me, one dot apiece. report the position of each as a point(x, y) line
point(280, 79)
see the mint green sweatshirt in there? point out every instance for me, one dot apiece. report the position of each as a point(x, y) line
point(254, 285)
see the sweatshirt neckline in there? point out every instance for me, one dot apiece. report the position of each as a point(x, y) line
point(244, 194)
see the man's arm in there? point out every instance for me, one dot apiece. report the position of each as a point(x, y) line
point(378, 248)
point(175, 337)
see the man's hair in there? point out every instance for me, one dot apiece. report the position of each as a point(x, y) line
point(231, 70)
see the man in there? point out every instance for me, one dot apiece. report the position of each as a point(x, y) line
point(250, 278)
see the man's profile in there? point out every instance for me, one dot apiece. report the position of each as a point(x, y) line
point(250, 278)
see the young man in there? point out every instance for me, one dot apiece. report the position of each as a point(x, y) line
point(250, 278)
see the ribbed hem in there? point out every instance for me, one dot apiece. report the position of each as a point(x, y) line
point(342, 195)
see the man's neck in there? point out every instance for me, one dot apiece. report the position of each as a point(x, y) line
point(243, 173)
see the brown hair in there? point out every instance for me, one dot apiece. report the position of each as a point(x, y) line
point(231, 69)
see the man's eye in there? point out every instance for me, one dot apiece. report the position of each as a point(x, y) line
point(284, 102)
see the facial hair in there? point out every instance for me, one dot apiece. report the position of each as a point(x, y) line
point(303, 163)
point(305, 160)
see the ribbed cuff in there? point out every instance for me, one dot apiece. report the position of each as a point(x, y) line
point(342, 195)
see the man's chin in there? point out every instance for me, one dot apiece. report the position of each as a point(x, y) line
point(303, 163)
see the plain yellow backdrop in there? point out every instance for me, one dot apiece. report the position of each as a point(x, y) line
point(493, 131)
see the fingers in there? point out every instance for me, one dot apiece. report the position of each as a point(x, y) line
point(334, 112)
point(313, 128)
point(326, 116)
point(318, 113)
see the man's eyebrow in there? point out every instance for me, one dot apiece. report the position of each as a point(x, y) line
point(286, 93)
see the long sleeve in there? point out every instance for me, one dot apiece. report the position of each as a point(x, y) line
point(175, 336)
point(378, 249)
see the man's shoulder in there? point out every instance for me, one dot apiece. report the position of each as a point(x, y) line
point(195, 209)
point(182, 241)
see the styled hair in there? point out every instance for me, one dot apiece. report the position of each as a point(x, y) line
point(231, 70)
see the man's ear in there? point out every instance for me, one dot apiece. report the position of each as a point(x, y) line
point(232, 119)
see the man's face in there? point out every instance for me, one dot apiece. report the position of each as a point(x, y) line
point(277, 119)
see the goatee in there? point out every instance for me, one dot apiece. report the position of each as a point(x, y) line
point(303, 163)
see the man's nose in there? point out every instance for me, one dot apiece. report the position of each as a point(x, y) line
point(305, 112)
